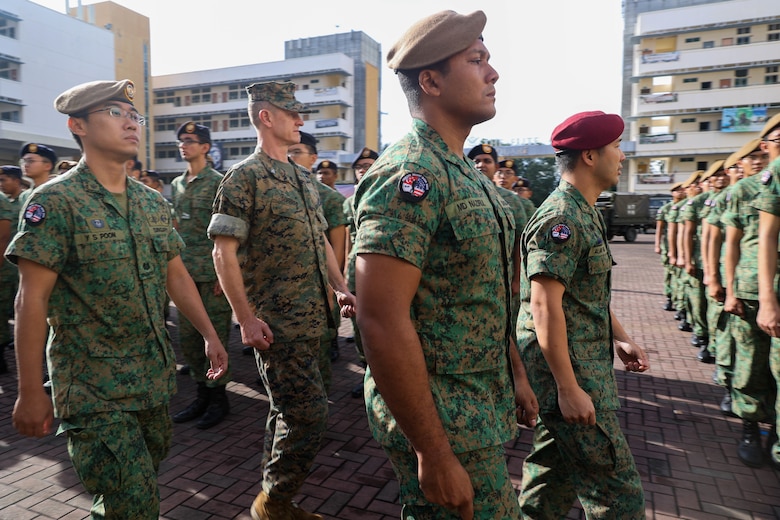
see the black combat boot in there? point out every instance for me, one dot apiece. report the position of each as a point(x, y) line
point(725, 404)
point(668, 306)
point(685, 326)
point(197, 407)
point(705, 356)
point(680, 315)
point(217, 410)
point(749, 450)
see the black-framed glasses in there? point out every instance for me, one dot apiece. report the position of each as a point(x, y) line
point(296, 153)
point(22, 162)
point(776, 140)
point(118, 112)
point(187, 142)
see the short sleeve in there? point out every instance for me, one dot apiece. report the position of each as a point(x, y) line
point(44, 235)
point(552, 248)
point(233, 205)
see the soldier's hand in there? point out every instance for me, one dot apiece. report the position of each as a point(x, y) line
point(633, 356)
point(527, 407)
point(768, 318)
point(218, 359)
point(733, 305)
point(576, 406)
point(33, 413)
point(444, 481)
point(716, 291)
point(347, 302)
point(256, 333)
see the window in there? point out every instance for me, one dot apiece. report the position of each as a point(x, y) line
point(10, 69)
point(201, 95)
point(704, 126)
point(743, 40)
point(706, 85)
point(708, 45)
point(740, 82)
point(315, 81)
point(741, 73)
point(238, 120)
point(692, 40)
point(686, 159)
point(9, 26)
point(774, 27)
point(743, 30)
point(773, 37)
point(12, 116)
point(690, 80)
point(236, 92)
point(701, 165)
point(688, 120)
point(770, 79)
point(161, 98)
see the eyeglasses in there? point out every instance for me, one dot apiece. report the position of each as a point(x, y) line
point(757, 157)
point(363, 166)
point(776, 140)
point(22, 162)
point(187, 142)
point(296, 153)
point(118, 112)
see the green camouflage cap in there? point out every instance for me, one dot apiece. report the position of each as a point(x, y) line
point(281, 95)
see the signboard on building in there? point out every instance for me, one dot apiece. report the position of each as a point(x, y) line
point(743, 119)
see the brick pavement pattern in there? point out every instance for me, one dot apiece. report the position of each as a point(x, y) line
point(684, 448)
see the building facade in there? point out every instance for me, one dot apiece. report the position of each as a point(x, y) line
point(43, 53)
point(703, 81)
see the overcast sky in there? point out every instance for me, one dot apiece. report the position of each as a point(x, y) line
point(554, 57)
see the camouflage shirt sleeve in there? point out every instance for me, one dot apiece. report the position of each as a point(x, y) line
point(233, 205)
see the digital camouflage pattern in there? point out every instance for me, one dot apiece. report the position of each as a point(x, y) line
point(661, 216)
point(752, 384)
point(8, 274)
point(693, 211)
point(106, 309)
point(566, 240)
point(768, 200)
point(192, 202)
point(679, 295)
point(460, 234)
point(140, 439)
point(609, 486)
point(272, 208)
point(583, 263)
point(529, 208)
point(349, 213)
point(297, 415)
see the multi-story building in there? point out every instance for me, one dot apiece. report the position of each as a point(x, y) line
point(43, 53)
point(336, 75)
point(703, 82)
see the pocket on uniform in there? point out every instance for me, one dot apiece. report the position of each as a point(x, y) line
point(474, 223)
point(96, 464)
point(288, 208)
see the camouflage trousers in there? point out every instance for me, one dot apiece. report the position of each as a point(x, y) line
point(592, 463)
point(696, 309)
point(297, 415)
point(117, 455)
point(191, 341)
point(494, 496)
point(774, 363)
point(679, 294)
point(753, 389)
point(326, 344)
point(358, 342)
point(725, 348)
point(9, 283)
point(714, 311)
point(667, 275)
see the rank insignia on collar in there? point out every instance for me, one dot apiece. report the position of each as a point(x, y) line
point(35, 214)
point(413, 187)
point(97, 223)
point(560, 233)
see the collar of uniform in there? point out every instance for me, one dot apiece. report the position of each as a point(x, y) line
point(278, 173)
point(573, 192)
point(428, 133)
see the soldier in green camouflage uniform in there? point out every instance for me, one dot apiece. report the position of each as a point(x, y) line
point(752, 388)
point(274, 263)
point(679, 298)
point(768, 205)
point(691, 216)
point(8, 277)
point(331, 202)
point(567, 333)
point(433, 270)
point(193, 195)
point(662, 248)
point(95, 254)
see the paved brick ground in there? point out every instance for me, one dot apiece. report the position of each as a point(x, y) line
point(684, 448)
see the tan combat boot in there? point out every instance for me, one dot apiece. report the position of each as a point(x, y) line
point(266, 508)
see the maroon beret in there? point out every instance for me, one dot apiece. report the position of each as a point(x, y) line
point(587, 131)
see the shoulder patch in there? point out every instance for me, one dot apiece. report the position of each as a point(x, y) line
point(560, 233)
point(728, 197)
point(35, 214)
point(413, 187)
point(766, 176)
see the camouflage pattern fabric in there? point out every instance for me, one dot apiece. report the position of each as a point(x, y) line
point(693, 211)
point(192, 202)
point(140, 439)
point(106, 309)
point(272, 208)
point(592, 463)
point(297, 416)
point(583, 263)
point(9, 276)
point(661, 216)
point(521, 219)
point(349, 213)
point(769, 200)
point(752, 383)
point(679, 295)
point(566, 240)
point(529, 208)
point(427, 206)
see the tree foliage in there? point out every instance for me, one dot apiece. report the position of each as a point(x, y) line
point(542, 175)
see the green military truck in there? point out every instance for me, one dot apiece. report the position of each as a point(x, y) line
point(627, 214)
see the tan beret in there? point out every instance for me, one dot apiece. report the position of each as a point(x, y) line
point(692, 179)
point(676, 186)
point(770, 125)
point(748, 148)
point(712, 170)
point(435, 38)
point(80, 98)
